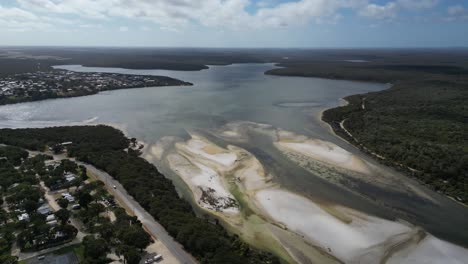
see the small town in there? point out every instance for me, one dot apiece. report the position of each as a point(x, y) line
point(54, 210)
point(42, 85)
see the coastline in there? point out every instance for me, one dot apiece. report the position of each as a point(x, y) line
point(278, 213)
point(321, 113)
point(79, 91)
point(352, 141)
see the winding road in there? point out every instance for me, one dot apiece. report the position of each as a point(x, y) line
point(128, 202)
point(150, 224)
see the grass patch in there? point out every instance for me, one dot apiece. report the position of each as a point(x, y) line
point(79, 252)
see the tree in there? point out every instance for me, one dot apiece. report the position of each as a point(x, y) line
point(131, 255)
point(63, 203)
point(30, 206)
point(69, 230)
point(136, 236)
point(83, 173)
point(63, 215)
point(84, 199)
point(100, 192)
point(57, 148)
point(3, 216)
point(95, 248)
point(133, 141)
point(106, 230)
point(7, 259)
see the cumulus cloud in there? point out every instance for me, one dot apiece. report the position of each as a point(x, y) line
point(457, 12)
point(391, 9)
point(178, 13)
point(15, 19)
point(175, 15)
point(380, 11)
point(417, 4)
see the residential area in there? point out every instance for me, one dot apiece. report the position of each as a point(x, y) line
point(42, 85)
point(54, 211)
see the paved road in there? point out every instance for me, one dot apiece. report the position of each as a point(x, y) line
point(150, 224)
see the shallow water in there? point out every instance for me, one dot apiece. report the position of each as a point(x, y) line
point(223, 94)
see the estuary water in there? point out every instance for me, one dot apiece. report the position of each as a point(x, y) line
point(242, 92)
point(220, 94)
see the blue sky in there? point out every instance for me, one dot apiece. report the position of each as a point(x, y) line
point(235, 23)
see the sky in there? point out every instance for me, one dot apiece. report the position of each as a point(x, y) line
point(235, 23)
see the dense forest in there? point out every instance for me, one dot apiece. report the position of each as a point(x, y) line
point(104, 147)
point(419, 125)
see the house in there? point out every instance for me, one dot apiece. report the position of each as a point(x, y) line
point(68, 196)
point(53, 163)
point(70, 177)
point(52, 223)
point(23, 217)
point(58, 235)
point(44, 209)
point(50, 218)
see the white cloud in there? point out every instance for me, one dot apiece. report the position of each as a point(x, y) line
point(145, 28)
point(15, 19)
point(91, 26)
point(213, 13)
point(390, 9)
point(175, 15)
point(380, 11)
point(457, 12)
point(417, 4)
point(16, 13)
point(123, 29)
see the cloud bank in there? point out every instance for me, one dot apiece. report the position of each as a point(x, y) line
point(223, 14)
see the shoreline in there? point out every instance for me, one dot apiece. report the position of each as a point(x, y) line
point(284, 210)
point(321, 114)
point(76, 92)
point(334, 129)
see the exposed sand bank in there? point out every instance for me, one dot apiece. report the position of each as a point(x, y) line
point(233, 185)
point(322, 158)
point(199, 163)
point(344, 240)
point(325, 152)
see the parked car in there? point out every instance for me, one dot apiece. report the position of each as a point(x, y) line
point(158, 258)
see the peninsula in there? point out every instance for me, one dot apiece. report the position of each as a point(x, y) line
point(40, 85)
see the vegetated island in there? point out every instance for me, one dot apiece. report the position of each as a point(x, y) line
point(40, 85)
point(419, 125)
point(108, 149)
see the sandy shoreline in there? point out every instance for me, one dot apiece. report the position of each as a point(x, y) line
point(303, 230)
